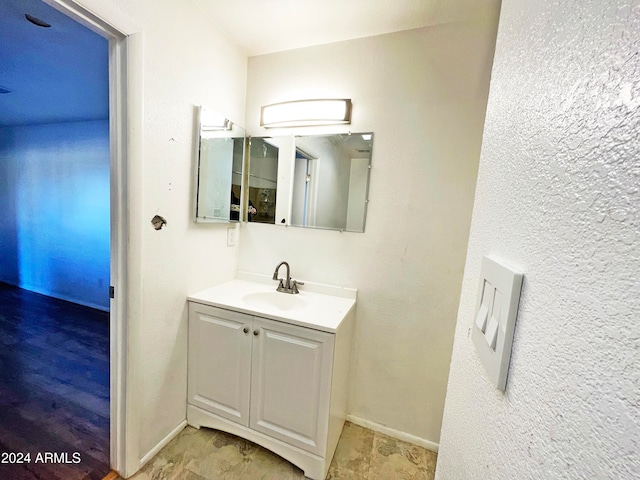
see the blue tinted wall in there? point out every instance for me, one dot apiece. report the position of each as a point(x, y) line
point(54, 210)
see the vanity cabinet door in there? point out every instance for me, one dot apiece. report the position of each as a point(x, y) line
point(291, 383)
point(220, 361)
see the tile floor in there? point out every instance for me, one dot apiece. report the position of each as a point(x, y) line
point(213, 455)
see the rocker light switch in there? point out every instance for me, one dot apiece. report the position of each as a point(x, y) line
point(494, 324)
point(488, 293)
point(492, 333)
point(481, 319)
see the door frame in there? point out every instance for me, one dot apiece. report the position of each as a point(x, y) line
point(125, 137)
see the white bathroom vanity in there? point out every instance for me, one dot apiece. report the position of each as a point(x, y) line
point(272, 367)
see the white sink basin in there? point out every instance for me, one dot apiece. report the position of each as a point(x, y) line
point(323, 309)
point(277, 300)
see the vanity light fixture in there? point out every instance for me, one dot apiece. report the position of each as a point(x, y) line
point(211, 121)
point(302, 113)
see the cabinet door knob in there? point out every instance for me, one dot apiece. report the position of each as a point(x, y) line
point(256, 332)
point(245, 329)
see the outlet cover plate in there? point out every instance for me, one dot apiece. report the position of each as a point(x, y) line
point(231, 237)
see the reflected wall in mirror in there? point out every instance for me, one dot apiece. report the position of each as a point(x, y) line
point(331, 181)
point(263, 180)
point(321, 181)
point(219, 161)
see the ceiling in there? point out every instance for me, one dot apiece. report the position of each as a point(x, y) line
point(61, 73)
point(267, 26)
point(52, 74)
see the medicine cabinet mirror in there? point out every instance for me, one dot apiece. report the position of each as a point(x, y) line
point(312, 181)
point(218, 172)
point(264, 155)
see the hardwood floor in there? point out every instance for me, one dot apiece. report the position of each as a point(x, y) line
point(54, 388)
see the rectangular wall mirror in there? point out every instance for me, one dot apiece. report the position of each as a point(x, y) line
point(311, 181)
point(218, 168)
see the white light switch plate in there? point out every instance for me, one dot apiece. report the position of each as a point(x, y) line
point(495, 319)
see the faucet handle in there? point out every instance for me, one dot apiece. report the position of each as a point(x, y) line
point(294, 286)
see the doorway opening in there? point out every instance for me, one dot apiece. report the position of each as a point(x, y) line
point(63, 278)
point(303, 202)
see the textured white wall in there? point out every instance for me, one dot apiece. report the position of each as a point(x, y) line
point(558, 196)
point(185, 63)
point(423, 93)
point(54, 232)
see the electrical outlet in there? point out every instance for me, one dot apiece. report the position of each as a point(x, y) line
point(231, 237)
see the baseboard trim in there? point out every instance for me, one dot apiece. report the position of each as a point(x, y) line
point(58, 296)
point(392, 432)
point(152, 453)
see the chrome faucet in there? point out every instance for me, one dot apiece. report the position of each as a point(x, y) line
point(286, 285)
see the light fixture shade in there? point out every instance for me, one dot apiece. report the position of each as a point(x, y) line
point(301, 113)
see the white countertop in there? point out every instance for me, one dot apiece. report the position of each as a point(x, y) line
point(319, 311)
